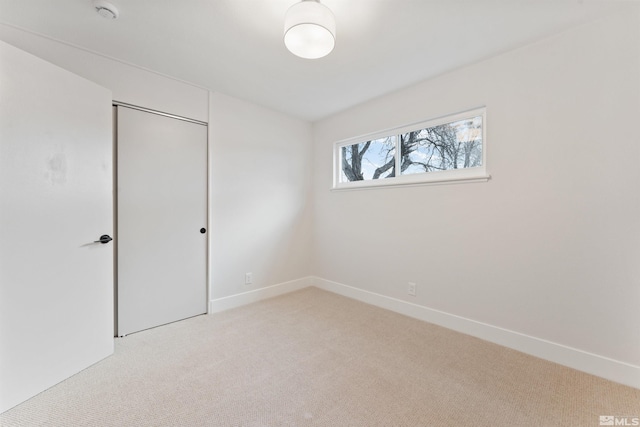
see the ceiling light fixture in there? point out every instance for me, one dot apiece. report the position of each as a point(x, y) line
point(105, 9)
point(309, 29)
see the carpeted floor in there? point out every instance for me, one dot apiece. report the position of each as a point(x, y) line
point(312, 358)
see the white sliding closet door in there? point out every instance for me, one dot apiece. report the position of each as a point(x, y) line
point(162, 219)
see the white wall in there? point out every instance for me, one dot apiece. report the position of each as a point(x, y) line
point(260, 182)
point(129, 84)
point(550, 246)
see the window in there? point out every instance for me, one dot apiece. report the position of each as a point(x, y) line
point(369, 160)
point(452, 148)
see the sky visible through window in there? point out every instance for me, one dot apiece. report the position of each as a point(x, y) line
point(373, 156)
point(455, 145)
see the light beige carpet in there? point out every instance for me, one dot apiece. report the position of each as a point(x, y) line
point(312, 358)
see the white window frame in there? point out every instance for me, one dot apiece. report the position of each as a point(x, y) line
point(475, 174)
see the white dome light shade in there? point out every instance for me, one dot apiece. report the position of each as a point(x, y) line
point(309, 29)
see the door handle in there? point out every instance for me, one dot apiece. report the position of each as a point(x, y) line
point(105, 238)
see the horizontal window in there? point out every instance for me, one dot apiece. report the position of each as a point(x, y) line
point(451, 148)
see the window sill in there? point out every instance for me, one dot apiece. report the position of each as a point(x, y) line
point(367, 185)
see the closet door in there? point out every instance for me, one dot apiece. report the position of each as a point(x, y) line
point(162, 219)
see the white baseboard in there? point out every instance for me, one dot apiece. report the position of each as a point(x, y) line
point(594, 364)
point(238, 300)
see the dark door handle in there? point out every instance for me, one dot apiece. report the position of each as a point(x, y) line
point(203, 230)
point(105, 238)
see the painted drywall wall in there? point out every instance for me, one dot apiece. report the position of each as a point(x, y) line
point(260, 162)
point(129, 84)
point(549, 247)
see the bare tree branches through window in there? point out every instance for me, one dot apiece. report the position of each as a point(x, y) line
point(433, 147)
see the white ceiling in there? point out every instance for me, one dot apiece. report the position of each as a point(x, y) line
point(235, 46)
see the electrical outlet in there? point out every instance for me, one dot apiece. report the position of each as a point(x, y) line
point(248, 278)
point(411, 290)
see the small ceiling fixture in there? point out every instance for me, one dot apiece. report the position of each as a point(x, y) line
point(309, 29)
point(105, 9)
